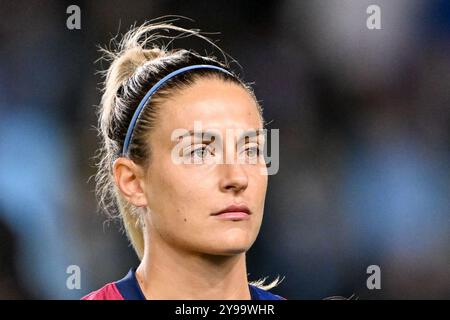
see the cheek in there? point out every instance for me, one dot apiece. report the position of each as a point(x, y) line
point(259, 182)
point(177, 196)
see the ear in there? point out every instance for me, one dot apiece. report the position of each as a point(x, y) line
point(129, 178)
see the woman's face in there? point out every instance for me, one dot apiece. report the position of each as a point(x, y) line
point(184, 198)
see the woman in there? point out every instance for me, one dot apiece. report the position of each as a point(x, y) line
point(168, 119)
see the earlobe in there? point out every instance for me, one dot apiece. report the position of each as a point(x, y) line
point(128, 179)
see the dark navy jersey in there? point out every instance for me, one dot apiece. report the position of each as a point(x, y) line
point(128, 289)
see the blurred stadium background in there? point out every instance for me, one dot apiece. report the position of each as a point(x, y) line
point(364, 142)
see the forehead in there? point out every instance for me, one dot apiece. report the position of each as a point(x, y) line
point(215, 103)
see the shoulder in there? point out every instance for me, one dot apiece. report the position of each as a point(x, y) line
point(107, 292)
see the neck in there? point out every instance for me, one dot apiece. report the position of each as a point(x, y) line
point(169, 273)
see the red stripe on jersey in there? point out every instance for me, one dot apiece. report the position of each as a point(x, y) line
point(107, 292)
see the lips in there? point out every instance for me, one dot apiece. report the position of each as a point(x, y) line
point(234, 212)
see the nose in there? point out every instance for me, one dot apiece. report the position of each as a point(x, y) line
point(234, 178)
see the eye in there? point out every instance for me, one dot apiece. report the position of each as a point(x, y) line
point(253, 151)
point(200, 153)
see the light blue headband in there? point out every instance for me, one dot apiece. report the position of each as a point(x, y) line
point(152, 90)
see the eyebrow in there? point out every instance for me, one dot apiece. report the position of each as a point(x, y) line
point(200, 134)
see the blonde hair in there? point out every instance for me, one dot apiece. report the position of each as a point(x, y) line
point(136, 64)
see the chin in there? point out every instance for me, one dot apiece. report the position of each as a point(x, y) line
point(232, 244)
point(227, 251)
